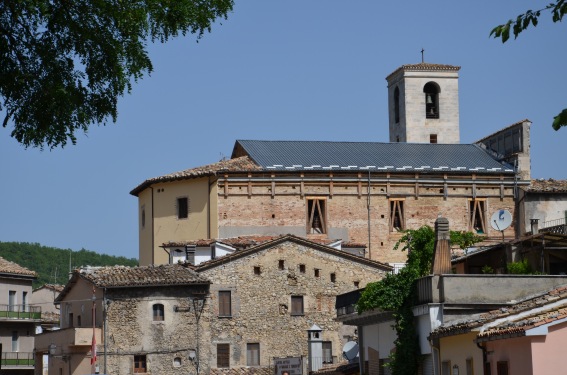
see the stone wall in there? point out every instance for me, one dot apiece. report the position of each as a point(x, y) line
point(166, 344)
point(261, 300)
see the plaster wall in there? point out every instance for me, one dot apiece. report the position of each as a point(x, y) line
point(545, 207)
point(516, 351)
point(457, 349)
point(548, 354)
point(44, 298)
point(380, 337)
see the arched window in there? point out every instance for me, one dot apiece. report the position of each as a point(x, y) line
point(158, 312)
point(397, 105)
point(431, 90)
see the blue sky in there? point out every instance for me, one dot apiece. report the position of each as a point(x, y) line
point(282, 70)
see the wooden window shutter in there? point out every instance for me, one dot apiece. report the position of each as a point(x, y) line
point(225, 308)
point(223, 352)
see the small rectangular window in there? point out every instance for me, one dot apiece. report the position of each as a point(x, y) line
point(357, 284)
point(225, 306)
point(182, 208)
point(223, 353)
point(327, 352)
point(257, 270)
point(281, 264)
point(140, 364)
point(253, 354)
point(317, 272)
point(296, 305)
point(333, 277)
point(302, 268)
point(79, 321)
point(316, 216)
point(71, 322)
point(502, 368)
point(477, 216)
point(397, 219)
point(432, 138)
point(158, 312)
point(446, 368)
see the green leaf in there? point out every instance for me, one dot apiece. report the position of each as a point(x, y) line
point(560, 120)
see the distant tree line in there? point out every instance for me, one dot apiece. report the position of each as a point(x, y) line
point(52, 264)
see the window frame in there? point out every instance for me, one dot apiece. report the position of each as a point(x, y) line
point(477, 209)
point(182, 208)
point(327, 357)
point(297, 306)
point(397, 214)
point(140, 364)
point(225, 303)
point(316, 218)
point(158, 312)
point(252, 347)
point(223, 355)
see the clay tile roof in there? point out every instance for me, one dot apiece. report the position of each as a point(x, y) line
point(49, 317)
point(55, 287)
point(10, 267)
point(547, 186)
point(123, 277)
point(240, 164)
point(425, 66)
point(470, 322)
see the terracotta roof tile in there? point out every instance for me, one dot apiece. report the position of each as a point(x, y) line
point(240, 164)
point(123, 277)
point(10, 267)
point(55, 287)
point(530, 320)
point(547, 186)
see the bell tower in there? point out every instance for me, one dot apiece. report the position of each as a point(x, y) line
point(423, 103)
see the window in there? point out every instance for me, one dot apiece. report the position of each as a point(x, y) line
point(333, 277)
point(502, 368)
point(190, 253)
point(316, 221)
point(281, 264)
point(257, 270)
point(71, 322)
point(446, 368)
point(143, 217)
point(296, 305)
point(477, 219)
point(140, 364)
point(470, 368)
point(253, 354)
point(182, 208)
point(357, 284)
point(223, 359)
point(225, 307)
point(327, 352)
point(24, 301)
point(78, 321)
point(431, 90)
point(158, 312)
point(177, 362)
point(397, 105)
point(397, 221)
point(432, 138)
point(15, 341)
point(302, 268)
point(11, 300)
point(317, 272)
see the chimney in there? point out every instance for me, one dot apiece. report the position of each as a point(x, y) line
point(442, 255)
point(535, 226)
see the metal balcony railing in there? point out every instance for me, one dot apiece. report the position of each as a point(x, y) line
point(20, 312)
point(17, 359)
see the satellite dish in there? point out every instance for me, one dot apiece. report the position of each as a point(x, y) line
point(501, 220)
point(350, 350)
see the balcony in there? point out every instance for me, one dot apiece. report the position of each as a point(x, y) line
point(73, 336)
point(17, 360)
point(20, 312)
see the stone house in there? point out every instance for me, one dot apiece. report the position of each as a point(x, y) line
point(18, 318)
point(264, 299)
point(363, 192)
point(145, 321)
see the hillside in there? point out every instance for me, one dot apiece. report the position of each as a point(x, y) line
point(52, 264)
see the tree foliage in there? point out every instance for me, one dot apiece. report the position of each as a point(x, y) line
point(396, 292)
point(52, 264)
point(63, 64)
point(557, 9)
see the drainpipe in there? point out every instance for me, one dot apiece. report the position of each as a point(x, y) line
point(104, 309)
point(368, 222)
point(484, 357)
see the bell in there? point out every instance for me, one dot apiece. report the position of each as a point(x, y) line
point(429, 99)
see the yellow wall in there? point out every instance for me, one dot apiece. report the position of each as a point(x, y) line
point(458, 348)
point(162, 225)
